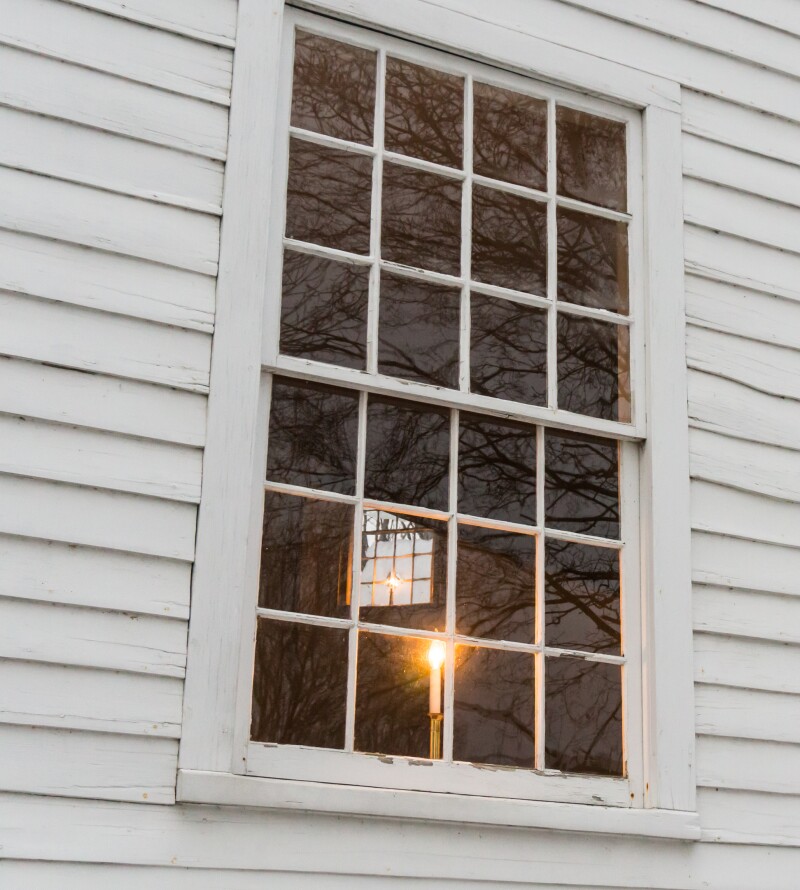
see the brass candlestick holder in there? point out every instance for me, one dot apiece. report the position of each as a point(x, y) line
point(436, 736)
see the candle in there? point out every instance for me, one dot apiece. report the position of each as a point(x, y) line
point(436, 655)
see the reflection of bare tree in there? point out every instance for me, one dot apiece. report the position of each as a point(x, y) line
point(419, 331)
point(508, 350)
point(424, 112)
point(312, 436)
point(583, 716)
point(592, 261)
point(324, 310)
point(582, 597)
point(334, 88)
point(582, 490)
point(299, 685)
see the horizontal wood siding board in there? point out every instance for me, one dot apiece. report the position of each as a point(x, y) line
point(747, 664)
point(747, 714)
point(747, 613)
point(749, 565)
point(748, 765)
point(741, 817)
point(781, 14)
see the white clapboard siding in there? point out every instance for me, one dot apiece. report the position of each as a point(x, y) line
point(110, 44)
point(748, 664)
point(46, 86)
point(746, 817)
point(747, 714)
point(748, 765)
point(115, 163)
point(747, 613)
point(50, 511)
point(84, 698)
point(66, 211)
point(782, 14)
point(50, 571)
point(37, 631)
point(104, 460)
point(105, 403)
point(87, 764)
point(101, 342)
point(731, 562)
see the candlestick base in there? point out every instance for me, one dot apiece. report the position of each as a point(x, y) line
point(436, 736)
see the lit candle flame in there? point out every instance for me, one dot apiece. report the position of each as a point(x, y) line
point(436, 654)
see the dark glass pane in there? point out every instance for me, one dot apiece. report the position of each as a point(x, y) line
point(509, 240)
point(424, 113)
point(421, 219)
point(582, 597)
point(324, 310)
point(510, 136)
point(495, 593)
point(496, 469)
point(493, 715)
point(592, 261)
point(403, 570)
point(329, 197)
point(306, 555)
point(583, 715)
point(393, 695)
point(300, 685)
point(312, 436)
point(334, 88)
point(407, 453)
point(591, 158)
point(593, 368)
point(582, 484)
point(508, 350)
point(419, 331)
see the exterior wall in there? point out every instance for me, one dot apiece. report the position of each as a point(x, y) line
point(113, 128)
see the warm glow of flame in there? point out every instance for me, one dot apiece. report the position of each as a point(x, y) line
point(393, 582)
point(436, 654)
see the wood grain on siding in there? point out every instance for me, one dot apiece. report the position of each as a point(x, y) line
point(738, 817)
point(730, 562)
point(747, 714)
point(748, 765)
point(747, 664)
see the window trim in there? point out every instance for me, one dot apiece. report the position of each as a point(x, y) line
point(211, 756)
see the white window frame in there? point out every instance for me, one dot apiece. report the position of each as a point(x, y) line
point(659, 798)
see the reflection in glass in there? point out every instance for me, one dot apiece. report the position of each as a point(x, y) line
point(403, 570)
point(312, 436)
point(329, 197)
point(306, 555)
point(393, 695)
point(495, 577)
point(324, 310)
point(424, 113)
point(299, 685)
point(334, 88)
point(407, 453)
point(592, 261)
point(496, 469)
point(508, 350)
point(591, 158)
point(421, 219)
point(582, 592)
point(493, 716)
point(419, 331)
point(583, 716)
point(510, 141)
point(509, 240)
point(582, 484)
point(593, 368)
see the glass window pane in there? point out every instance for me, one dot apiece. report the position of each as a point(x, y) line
point(582, 593)
point(306, 555)
point(510, 136)
point(424, 113)
point(508, 350)
point(592, 261)
point(583, 716)
point(582, 484)
point(509, 241)
point(496, 469)
point(421, 219)
point(313, 431)
point(403, 570)
point(591, 158)
point(324, 310)
point(593, 368)
point(334, 88)
point(496, 574)
point(393, 695)
point(299, 685)
point(407, 453)
point(329, 197)
point(419, 330)
point(493, 715)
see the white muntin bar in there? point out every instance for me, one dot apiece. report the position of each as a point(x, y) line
point(466, 241)
point(592, 209)
point(316, 493)
point(452, 561)
point(375, 219)
point(330, 253)
point(539, 668)
point(577, 538)
point(303, 618)
point(552, 260)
